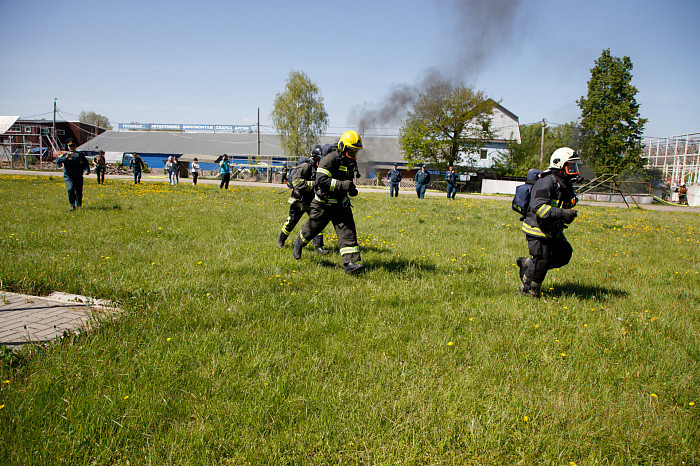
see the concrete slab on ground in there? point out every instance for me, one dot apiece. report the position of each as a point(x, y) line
point(32, 319)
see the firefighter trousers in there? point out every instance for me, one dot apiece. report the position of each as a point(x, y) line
point(546, 254)
point(296, 211)
point(341, 216)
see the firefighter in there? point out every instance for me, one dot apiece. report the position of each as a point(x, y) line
point(549, 212)
point(74, 164)
point(334, 183)
point(394, 177)
point(302, 181)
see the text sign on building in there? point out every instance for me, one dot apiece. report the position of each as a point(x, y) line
point(184, 128)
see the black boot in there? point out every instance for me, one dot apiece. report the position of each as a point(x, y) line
point(296, 251)
point(320, 250)
point(523, 263)
point(280, 241)
point(352, 267)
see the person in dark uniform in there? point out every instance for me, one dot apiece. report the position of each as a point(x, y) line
point(549, 213)
point(394, 177)
point(451, 178)
point(74, 164)
point(334, 183)
point(136, 165)
point(100, 166)
point(422, 179)
point(302, 180)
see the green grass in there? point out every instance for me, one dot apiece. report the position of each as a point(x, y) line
point(231, 352)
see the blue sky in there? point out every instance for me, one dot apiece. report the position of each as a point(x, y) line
point(219, 61)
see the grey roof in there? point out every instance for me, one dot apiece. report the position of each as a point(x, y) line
point(376, 149)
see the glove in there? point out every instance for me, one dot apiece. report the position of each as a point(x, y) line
point(352, 191)
point(568, 215)
point(346, 185)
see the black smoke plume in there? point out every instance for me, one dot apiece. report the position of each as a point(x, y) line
point(480, 29)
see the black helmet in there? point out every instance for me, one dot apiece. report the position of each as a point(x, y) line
point(317, 153)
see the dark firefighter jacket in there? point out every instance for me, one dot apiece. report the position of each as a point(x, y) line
point(451, 178)
point(74, 164)
point(550, 195)
point(302, 181)
point(333, 169)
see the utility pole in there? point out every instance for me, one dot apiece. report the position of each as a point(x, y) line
point(544, 125)
point(258, 131)
point(54, 118)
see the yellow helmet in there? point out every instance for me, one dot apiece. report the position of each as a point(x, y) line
point(350, 140)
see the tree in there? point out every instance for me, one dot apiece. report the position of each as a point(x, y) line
point(446, 122)
point(519, 158)
point(95, 119)
point(612, 126)
point(299, 115)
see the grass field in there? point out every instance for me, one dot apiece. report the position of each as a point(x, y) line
point(231, 352)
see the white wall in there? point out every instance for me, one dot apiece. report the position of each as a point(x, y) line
point(499, 186)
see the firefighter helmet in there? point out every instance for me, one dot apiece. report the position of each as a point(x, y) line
point(317, 153)
point(565, 159)
point(350, 140)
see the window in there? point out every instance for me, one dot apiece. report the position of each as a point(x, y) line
point(484, 154)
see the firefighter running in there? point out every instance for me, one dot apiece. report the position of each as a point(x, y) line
point(301, 180)
point(334, 183)
point(549, 212)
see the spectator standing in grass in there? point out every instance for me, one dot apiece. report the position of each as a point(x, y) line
point(285, 172)
point(74, 164)
point(195, 170)
point(100, 166)
point(683, 195)
point(422, 179)
point(394, 177)
point(225, 172)
point(451, 178)
point(169, 169)
point(136, 165)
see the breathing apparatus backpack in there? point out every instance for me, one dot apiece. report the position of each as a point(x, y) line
point(521, 200)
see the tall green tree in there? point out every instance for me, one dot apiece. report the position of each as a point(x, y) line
point(612, 125)
point(95, 119)
point(447, 122)
point(299, 115)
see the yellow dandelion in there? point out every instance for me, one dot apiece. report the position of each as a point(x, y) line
point(2, 406)
point(526, 418)
point(563, 355)
point(450, 343)
point(126, 397)
point(199, 263)
point(654, 395)
point(168, 339)
point(537, 325)
point(5, 381)
point(692, 403)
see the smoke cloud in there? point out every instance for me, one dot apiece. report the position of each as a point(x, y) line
point(480, 29)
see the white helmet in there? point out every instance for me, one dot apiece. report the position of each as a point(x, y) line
point(565, 159)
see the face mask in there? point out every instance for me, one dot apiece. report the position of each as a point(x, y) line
point(571, 168)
